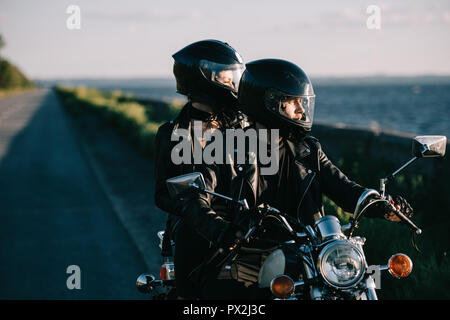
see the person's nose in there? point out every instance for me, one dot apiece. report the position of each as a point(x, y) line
point(299, 107)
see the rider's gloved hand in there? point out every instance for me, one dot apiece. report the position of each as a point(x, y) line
point(231, 234)
point(236, 230)
point(402, 205)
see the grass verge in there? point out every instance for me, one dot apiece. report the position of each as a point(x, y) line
point(138, 122)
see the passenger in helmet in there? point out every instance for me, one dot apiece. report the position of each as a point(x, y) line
point(208, 74)
point(226, 77)
point(276, 95)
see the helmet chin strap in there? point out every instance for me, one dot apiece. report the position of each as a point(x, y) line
point(295, 135)
point(203, 107)
point(205, 101)
point(218, 102)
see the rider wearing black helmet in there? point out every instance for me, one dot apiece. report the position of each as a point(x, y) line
point(207, 73)
point(278, 94)
point(275, 94)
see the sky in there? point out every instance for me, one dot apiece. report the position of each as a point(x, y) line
point(136, 38)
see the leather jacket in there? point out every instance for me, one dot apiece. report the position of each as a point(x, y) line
point(314, 173)
point(165, 168)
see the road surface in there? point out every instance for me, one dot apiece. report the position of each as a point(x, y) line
point(54, 212)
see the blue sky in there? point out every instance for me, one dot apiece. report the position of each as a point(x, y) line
point(136, 38)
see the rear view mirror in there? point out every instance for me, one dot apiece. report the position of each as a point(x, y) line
point(429, 146)
point(180, 185)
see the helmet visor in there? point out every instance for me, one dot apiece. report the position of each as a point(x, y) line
point(223, 75)
point(296, 109)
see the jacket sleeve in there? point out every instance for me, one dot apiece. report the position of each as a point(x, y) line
point(163, 171)
point(336, 185)
point(198, 213)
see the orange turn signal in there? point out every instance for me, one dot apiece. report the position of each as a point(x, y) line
point(400, 265)
point(282, 286)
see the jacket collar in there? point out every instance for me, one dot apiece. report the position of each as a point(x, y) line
point(183, 118)
point(300, 150)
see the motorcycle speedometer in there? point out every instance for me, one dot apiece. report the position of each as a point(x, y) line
point(341, 264)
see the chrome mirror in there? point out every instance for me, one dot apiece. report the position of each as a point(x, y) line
point(429, 146)
point(422, 147)
point(179, 185)
point(144, 282)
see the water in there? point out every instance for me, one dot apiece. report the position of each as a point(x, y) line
point(414, 109)
point(410, 105)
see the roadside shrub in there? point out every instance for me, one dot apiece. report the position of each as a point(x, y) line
point(137, 122)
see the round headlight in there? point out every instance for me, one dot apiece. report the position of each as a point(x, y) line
point(341, 264)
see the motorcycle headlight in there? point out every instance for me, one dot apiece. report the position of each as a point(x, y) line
point(341, 264)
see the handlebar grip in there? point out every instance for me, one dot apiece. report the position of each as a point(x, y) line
point(405, 219)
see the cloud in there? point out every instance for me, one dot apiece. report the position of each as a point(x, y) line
point(446, 16)
point(3, 17)
point(424, 14)
point(144, 16)
point(353, 18)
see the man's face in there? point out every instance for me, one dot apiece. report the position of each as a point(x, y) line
point(225, 77)
point(292, 108)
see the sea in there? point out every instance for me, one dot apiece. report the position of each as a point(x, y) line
point(412, 105)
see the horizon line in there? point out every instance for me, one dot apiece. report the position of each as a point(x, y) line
point(368, 76)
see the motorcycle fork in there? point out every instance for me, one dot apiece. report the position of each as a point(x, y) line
point(310, 274)
point(369, 282)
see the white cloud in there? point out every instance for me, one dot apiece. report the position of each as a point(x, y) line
point(446, 16)
point(145, 15)
point(3, 17)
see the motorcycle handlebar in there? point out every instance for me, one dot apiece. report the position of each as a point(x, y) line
point(404, 218)
point(390, 206)
point(285, 219)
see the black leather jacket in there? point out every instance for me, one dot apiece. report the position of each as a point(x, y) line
point(165, 168)
point(314, 173)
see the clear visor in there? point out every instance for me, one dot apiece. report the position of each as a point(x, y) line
point(298, 109)
point(224, 75)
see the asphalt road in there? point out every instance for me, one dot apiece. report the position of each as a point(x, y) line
point(54, 213)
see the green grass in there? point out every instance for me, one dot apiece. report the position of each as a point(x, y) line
point(11, 78)
point(5, 93)
point(135, 121)
point(430, 277)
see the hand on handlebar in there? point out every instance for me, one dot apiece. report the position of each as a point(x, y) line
point(255, 213)
point(237, 231)
point(401, 205)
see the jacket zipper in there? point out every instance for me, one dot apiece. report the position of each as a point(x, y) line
point(304, 193)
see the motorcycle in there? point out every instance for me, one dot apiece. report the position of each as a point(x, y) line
point(320, 262)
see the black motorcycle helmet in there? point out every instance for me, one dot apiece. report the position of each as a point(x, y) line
point(209, 71)
point(266, 85)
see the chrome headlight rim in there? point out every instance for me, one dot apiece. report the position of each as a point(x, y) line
point(327, 249)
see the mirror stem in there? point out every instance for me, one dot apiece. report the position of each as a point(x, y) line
point(401, 168)
point(389, 178)
point(242, 203)
point(383, 182)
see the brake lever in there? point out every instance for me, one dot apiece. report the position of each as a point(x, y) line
point(404, 219)
point(413, 241)
point(414, 229)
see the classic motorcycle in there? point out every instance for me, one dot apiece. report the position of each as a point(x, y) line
point(318, 262)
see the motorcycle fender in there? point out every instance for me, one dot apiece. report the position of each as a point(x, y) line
point(274, 265)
